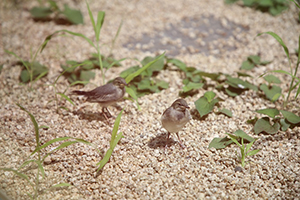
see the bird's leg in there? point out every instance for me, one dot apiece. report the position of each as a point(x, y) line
point(104, 113)
point(182, 146)
point(105, 110)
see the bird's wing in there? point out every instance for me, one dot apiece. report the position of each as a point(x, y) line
point(102, 94)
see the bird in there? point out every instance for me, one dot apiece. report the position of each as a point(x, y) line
point(175, 117)
point(105, 95)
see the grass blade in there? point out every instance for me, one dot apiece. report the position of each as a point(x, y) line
point(21, 175)
point(27, 162)
point(133, 95)
point(105, 159)
point(91, 17)
point(116, 128)
point(36, 127)
point(61, 185)
point(138, 72)
point(100, 20)
point(253, 152)
point(286, 50)
point(66, 97)
point(41, 168)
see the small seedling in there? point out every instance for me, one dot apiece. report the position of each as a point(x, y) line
point(31, 71)
point(244, 149)
point(43, 13)
point(239, 135)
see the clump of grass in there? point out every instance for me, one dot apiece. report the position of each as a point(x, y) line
point(39, 161)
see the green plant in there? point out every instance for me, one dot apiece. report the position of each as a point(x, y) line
point(238, 137)
point(272, 124)
point(244, 149)
point(68, 141)
point(31, 71)
point(43, 13)
point(293, 85)
point(115, 138)
point(142, 80)
point(83, 73)
point(206, 103)
point(62, 94)
point(253, 61)
point(274, 7)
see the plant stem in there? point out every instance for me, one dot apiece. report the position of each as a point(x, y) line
point(100, 62)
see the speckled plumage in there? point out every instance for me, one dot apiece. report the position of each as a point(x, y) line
point(175, 117)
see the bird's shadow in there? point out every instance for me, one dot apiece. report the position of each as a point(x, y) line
point(90, 116)
point(161, 141)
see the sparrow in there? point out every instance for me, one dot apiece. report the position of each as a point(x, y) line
point(105, 95)
point(175, 117)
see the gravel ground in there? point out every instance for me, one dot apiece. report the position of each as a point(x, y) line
point(208, 35)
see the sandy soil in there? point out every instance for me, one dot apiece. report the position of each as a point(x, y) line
point(207, 35)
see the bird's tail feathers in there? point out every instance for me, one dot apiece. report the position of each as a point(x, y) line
point(78, 92)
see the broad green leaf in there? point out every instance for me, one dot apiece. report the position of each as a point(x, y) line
point(284, 124)
point(74, 16)
point(66, 97)
point(263, 125)
point(243, 74)
point(254, 59)
point(192, 86)
point(220, 143)
point(86, 75)
point(204, 107)
point(291, 117)
point(247, 65)
point(213, 76)
point(272, 79)
point(272, 93)
point(243, 135)
point(225, 112)
point(162, 84)
point(40, 12)
point(271, 112)
point(178, 63)
point(210, 95)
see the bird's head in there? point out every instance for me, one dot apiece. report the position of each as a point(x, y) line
point(120, 82)
point(180, 105)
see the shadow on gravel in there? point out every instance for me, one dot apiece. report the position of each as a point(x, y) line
point(90, 116)
point(161, 141)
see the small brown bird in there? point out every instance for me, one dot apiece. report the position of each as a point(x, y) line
point(175, 117)
point(105, 95)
